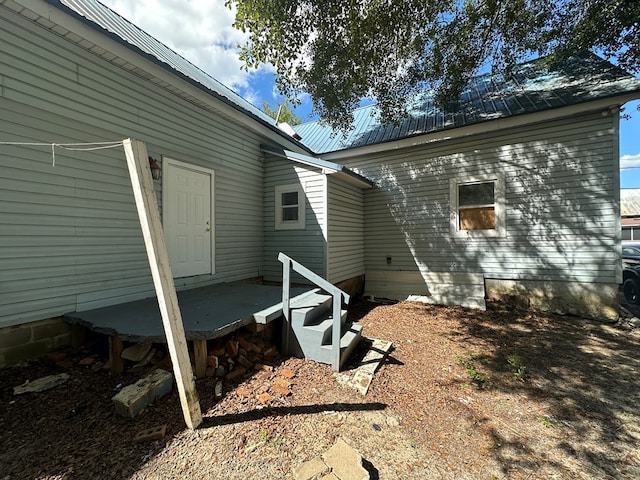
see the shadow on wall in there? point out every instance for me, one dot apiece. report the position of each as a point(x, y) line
point(561, 206)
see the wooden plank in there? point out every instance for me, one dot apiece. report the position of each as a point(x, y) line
point(137, 162)
point(200, 357)
point(115, 355)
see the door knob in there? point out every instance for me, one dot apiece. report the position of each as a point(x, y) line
point(208, 225)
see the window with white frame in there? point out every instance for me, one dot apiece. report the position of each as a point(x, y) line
point(477, 206)
point(290, 202)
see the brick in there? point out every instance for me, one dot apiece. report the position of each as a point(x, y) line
point(210, 372)
point(87, 361)
point(218, 351)
point(244, 392)
point(283, 382)
point(270, 350)
point(232, 348)
point(132, 399)
point(247, 345)
point(236, 374)
point(244, 362)
point(264, 398)
point(213, 361)
point(288, 373)
point(280, 390)
point(55, 357)
point(154, 433)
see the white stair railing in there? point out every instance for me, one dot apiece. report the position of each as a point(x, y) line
point(338, 295)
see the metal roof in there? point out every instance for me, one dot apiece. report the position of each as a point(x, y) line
point(630, 201)
point(531, 87)
point(109, 22)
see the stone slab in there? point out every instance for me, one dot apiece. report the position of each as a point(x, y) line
point(345, 462)
point(310, 470)
point(41, 384)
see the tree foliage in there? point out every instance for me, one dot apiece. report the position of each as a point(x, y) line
point(282, 113)
point(340, 51)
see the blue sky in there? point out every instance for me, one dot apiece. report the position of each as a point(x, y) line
point(202, 32)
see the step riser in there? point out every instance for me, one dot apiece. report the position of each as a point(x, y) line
point(312, 314)
point(319, 333)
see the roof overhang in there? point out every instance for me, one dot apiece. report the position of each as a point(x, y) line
point(90, 36)
point(607, 106)
point(340, 172)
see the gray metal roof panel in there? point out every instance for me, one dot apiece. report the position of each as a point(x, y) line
point(106, 19)
point(531, 87)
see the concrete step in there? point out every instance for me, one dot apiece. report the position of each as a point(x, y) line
point(275, 311)
point(351, 335)
point(311, 310)
point(318, 333)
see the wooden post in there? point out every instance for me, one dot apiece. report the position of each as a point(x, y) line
point(147, 206)
point(115, 355)
point(200, 357)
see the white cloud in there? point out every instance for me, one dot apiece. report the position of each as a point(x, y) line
point(630, 161)
point(199, 30)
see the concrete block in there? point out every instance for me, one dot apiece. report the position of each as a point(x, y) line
point(50, 328)
point(13, 336)
point(132, 399)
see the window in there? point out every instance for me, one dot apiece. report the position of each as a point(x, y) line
point(477, 206)
point(289, 203)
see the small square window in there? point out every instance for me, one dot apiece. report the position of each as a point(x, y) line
point(289, 205)
point(477, 206)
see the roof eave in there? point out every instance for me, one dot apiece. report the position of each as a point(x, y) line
point(488, 126)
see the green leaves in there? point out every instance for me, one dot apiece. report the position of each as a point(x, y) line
point(341, 51)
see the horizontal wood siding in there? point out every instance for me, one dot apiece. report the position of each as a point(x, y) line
point(561, 208)
point(345, 231)
point(305, 246)
point(69, 235)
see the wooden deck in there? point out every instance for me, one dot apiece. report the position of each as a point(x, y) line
point(207, 313)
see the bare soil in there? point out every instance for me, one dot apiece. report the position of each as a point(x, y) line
point(500, 394)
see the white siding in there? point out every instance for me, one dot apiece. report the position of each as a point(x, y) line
point(69, 236)
point(345, 231)
point(561, 208)
point(306, 246)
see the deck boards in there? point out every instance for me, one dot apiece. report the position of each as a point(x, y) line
point(207, 312)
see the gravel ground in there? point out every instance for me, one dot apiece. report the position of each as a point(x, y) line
point(464, 395)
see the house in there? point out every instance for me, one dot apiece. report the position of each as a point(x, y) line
point(630, 214)
point(511, 192)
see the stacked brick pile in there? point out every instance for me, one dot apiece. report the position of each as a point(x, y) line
point(233, 357)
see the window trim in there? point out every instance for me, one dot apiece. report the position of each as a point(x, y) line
point(499, 206)
point(281, 224)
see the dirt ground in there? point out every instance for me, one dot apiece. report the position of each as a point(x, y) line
point(500, 394)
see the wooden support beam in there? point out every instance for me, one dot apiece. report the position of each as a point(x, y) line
point(147, 206)
point(200, 357)
point(116, 361)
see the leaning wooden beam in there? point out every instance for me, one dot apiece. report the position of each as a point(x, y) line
point(138, 164)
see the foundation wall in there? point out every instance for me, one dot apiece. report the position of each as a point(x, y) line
point(592, 300)
point(32, 340)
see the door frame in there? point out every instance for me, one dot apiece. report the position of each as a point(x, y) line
point(166, 161)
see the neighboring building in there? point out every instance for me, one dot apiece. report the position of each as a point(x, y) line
point(513, 191)
point(630, 214)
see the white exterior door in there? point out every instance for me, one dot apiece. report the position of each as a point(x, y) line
point(188, 222)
